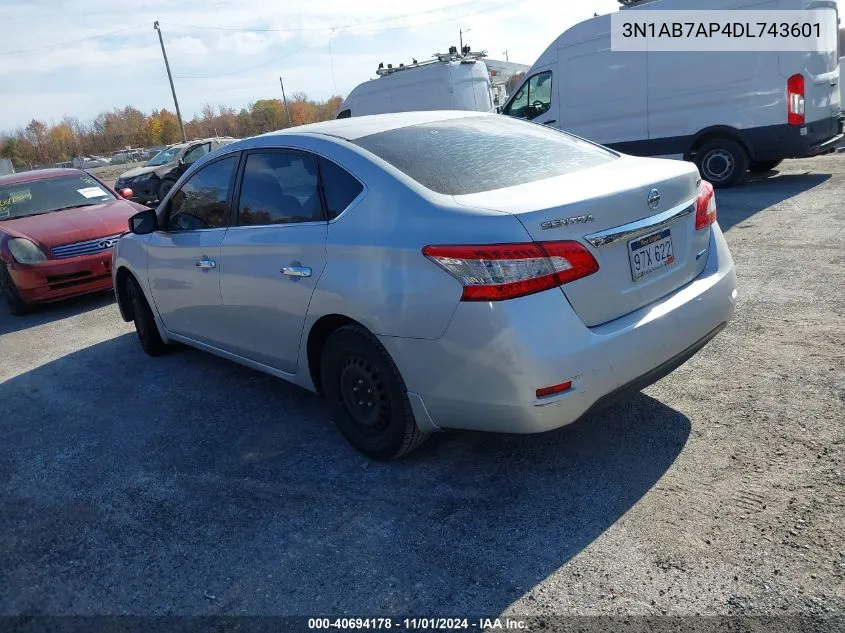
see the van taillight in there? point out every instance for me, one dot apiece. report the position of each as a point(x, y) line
point(795, 99)
point(705, 206)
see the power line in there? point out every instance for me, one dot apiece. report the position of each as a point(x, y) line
point(51, 47)
point(245, 70)
point(318, 28)
point(392, 28)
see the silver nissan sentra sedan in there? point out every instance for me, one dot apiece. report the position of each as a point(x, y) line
point(433, 270)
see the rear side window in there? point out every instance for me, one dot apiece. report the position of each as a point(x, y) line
point(339, 186)
point(279, 188)
point(473, 154)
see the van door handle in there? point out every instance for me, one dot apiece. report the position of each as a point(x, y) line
point(206, 264)
point(296, 271)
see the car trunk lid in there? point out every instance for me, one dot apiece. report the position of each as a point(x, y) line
point(607, 209)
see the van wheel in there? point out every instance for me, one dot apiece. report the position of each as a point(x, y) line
point(145, 324)
point(762, 166)
point(10, 295)
point(722, 161)
point(367, 395)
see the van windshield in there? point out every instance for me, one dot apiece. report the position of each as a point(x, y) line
point(474, 154)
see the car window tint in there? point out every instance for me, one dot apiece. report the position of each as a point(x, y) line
point(202, 202)
point(339, 186)
point(279, 188)
point(482, 153)
point(195, 153)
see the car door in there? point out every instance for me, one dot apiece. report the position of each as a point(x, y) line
point(275, 255)
point(183, 259)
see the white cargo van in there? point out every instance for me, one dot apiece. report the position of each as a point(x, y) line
point(448, 82)
point(727, 111)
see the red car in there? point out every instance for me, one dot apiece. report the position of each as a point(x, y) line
point(57, 230)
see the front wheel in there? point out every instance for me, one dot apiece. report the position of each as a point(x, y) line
point(722, 161)
point(142, 315)
point(10, 295)
point(367, 394)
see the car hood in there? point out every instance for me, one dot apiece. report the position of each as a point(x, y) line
point(140, 171)
point(73, 225)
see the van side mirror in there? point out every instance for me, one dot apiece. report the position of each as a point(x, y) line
point(143, 223)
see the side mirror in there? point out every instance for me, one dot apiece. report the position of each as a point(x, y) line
point(143, 222)
point(126, 193)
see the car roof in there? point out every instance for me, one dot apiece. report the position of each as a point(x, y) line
point(356, 127)
point(39, 174)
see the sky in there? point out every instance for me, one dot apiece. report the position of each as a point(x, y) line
point(81, 57)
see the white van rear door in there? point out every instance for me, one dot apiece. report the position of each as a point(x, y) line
point(822, 99)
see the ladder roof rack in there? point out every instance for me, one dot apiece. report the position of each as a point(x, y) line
point(438, 58)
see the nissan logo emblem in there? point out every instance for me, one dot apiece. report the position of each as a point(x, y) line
point(653, 199)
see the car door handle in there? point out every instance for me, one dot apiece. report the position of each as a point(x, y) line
point(296, 271)
point(206, 264)
point(553, 121)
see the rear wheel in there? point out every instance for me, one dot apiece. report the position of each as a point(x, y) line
point(722, 161)
point(10, 295)
point(367, 395)
point(762, 166)
point(145, 324)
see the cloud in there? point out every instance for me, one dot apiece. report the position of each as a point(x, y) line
point(105, 71)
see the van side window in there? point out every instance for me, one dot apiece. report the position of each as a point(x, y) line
point(344, 114)
point(533, 98)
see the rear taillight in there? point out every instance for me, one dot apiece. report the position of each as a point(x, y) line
point(705, 206)
point(795, 99)
point(493, 272)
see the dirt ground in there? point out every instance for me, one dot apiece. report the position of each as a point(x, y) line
point(190, 485)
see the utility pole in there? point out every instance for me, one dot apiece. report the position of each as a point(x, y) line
point(462, 31)
point(285, 99)
point(506, 56)
point(170, 78)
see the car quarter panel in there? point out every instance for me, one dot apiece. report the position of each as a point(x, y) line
point(376, 272)
point(484, 372)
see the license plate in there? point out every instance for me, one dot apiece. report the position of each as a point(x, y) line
point(650, 253)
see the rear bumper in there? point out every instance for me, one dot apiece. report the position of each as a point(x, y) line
point(53, 279)
point(788, 141)
point(484, 372)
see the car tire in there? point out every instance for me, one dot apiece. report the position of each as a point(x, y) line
point(10, 295)
point(377, 420)
point(762, 166)
point(722, 161)
point(142, 315)
point(165, 186)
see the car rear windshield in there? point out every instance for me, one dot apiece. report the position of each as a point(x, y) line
point(53, 194)
point(474, 154)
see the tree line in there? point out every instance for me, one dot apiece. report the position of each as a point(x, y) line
point(41, 144)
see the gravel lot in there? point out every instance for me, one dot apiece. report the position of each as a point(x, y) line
point(190, 485)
